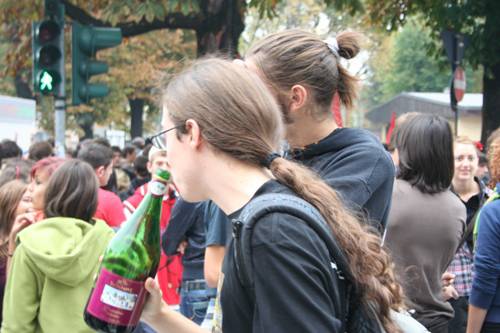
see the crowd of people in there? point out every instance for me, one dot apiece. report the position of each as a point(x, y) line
point(417, 223)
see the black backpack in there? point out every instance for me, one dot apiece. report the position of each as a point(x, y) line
point(356, 317)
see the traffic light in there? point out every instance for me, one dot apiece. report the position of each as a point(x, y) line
point(48, 57)
point(86, 41)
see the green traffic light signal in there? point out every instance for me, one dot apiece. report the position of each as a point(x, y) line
point(47, 81)
point(48, 57)
point(86, 41)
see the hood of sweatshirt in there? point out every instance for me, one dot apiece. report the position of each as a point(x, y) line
point(337, 141)
point(65, 249)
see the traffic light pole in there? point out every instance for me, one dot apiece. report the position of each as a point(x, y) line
point(60, 126)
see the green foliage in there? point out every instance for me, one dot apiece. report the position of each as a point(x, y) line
point(403, 63)
point(134, 65)
point(478, 19)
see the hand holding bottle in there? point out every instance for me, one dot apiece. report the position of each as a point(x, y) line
point(155, 305)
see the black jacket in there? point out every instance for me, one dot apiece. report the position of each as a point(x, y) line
point(354, 162)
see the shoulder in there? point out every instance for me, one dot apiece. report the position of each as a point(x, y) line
point(108, 195)
point(283, 229)
point(491, 211)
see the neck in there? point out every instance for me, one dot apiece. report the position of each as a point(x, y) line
point(306, 130)
point(236, 184)
point(465, 187)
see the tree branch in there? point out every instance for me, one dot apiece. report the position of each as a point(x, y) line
point(130, 29)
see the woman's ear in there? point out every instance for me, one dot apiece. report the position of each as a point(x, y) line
point(298, 97)
point(194, 136)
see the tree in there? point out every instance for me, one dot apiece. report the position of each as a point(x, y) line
point(402, 62)
point(217, 25)
point(478, 19)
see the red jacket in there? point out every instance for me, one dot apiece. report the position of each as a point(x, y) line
point(170, 269)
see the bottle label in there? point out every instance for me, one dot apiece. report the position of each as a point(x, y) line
point(117, 300)
point(157, 188)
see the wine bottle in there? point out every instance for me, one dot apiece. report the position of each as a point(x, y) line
point(117, 299)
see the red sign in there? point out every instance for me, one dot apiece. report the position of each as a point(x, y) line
point(459, 83)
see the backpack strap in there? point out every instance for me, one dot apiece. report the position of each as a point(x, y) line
point(263, 205)
point(494, 196)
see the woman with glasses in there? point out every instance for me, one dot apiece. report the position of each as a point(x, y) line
point(223, 129)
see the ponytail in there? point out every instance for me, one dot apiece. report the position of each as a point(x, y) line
point(348, 84)
point(370, 265)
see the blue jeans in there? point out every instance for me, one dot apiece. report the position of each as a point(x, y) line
point(194, 301)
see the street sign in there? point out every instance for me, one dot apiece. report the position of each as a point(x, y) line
point(459, 83)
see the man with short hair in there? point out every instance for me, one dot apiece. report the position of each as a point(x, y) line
point(109, 206)
point(170, 268)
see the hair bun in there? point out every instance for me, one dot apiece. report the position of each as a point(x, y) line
point(349, 44)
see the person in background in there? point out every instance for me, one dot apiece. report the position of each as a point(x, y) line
point(185, 235)
point(218, 234)
point(427, 220)
point(170, 268)
point(482, 171)
point(139, 143)
point(40, 150)
point(40, 175)
point(109, 205)
point(53, 268)
point(142, 174)
point(484, 302)
point(9, 149)
point(129, 156)
point(14, 201)
point(16, 169)
point(473, 193)
point(304, 72)
point(122, 178)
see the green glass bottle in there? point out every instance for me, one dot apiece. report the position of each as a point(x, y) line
point(117, 299)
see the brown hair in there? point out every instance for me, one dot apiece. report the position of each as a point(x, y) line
point(11, 194)
point(298, 57)
point(239, 117)
point(494, 161)
point(72, 191)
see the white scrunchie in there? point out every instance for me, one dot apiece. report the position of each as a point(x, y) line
point(332, 44)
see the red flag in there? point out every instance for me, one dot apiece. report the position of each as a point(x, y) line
point(391, 128)
point(336, 110)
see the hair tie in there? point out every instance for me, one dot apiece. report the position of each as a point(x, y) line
point(333, 45)
point(269, 159)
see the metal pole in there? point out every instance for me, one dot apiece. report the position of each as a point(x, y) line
point(453, 67)
point(60, 126)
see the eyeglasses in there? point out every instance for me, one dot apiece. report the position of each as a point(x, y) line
point(159, 141)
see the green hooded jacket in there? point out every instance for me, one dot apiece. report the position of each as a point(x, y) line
point(51, 276)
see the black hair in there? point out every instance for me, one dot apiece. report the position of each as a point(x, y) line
point(102, 141)
point(116, 149)
point(128, 150)
point(425, 147)
point(141, 166)
point(8, 149)
point(96, 155)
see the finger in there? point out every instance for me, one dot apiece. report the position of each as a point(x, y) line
point(154, 289)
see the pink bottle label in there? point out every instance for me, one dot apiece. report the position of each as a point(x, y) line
point(117, 300)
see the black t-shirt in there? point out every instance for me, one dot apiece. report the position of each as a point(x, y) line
point(293, 279)
point(186, 223)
